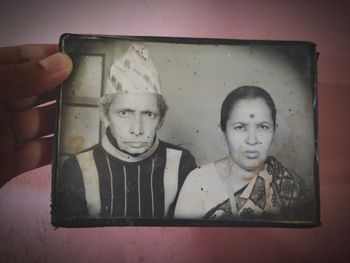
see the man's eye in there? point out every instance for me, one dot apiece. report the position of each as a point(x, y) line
point(123, 113)
point(150, 115)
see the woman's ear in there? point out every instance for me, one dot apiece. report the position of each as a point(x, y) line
point(275, 129)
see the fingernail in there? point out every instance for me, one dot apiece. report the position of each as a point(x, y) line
point(55, 62)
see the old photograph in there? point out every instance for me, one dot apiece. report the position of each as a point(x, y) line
point(184, 131)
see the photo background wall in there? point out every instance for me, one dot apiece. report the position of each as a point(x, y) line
point(195, 79)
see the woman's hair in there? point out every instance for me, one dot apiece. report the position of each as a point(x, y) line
point(106, 101)
point(245, 92)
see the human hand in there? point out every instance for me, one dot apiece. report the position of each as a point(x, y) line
point(28, 77)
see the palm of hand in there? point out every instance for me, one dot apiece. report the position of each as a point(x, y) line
point(28, 77)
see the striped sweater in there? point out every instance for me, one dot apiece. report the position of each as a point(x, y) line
point(103, 182)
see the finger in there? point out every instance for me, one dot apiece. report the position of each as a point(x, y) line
point(25, 53)
point(7, 162)
point(33, 78)
point(30, 102)
point(34, 123)
point(34, 154)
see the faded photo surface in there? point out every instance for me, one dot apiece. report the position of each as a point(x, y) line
point(177, 130)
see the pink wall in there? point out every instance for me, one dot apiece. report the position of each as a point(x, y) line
point(25, 232)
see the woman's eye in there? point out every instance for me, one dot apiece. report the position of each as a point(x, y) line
point(264, 127)
point(123, 113)
point(239, 128)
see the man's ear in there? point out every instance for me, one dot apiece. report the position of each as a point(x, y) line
point(160, 124)
point(103, 117)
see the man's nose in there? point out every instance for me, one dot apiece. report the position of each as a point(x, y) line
point(251, 136)
point(137, 125)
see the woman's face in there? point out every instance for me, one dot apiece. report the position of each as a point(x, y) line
point(249, 133)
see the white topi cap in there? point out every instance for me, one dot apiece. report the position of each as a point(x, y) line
point(134, 72)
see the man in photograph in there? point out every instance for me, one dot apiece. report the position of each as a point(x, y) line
point(131, 174)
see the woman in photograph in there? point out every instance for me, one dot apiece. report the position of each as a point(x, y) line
point(248, 184)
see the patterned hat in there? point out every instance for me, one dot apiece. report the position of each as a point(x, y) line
point(134, 72)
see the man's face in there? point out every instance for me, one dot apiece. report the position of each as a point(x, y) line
point(133, 119)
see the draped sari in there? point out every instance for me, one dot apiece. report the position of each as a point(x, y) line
point(275, 192)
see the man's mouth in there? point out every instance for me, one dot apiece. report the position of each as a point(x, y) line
point(136, 144)
point(251, 154)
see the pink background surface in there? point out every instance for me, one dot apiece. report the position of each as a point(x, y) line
point(26, 233)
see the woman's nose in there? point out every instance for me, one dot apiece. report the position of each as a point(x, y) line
point(251, 136)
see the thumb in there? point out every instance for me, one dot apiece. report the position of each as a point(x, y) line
point(34, 77)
